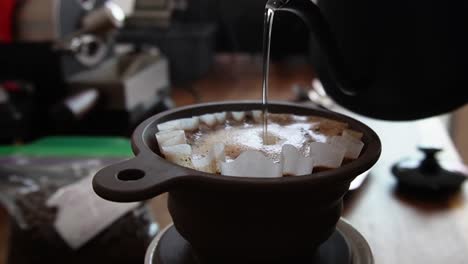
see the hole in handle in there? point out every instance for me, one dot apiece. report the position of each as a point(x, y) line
point(130, 175)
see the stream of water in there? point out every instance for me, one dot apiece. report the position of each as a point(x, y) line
point(268, 25)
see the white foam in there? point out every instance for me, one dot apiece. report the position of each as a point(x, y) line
point(241, 138)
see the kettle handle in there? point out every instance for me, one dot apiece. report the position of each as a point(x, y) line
point(310, 13)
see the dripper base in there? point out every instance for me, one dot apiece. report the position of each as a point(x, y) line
point(345, 246)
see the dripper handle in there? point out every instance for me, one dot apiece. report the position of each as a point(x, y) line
point(136, 179)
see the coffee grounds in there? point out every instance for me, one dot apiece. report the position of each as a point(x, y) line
point(248, 135)
point(125, 241)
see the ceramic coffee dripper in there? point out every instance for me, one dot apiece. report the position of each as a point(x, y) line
point(238, 219)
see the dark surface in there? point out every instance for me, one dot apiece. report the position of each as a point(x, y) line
point(404, 61)
point(345, 246)
point(188, 47)
point(174, 249)
point(216, 213)
point(240, 25)
point(38, 65)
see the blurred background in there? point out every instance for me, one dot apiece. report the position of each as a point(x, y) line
point(133, 61)
point(66, 66)
point(77, 76)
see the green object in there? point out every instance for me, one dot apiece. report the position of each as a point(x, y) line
point(72, 146)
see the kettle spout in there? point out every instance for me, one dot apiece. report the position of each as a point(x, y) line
point(276, 4)
point(310, 13)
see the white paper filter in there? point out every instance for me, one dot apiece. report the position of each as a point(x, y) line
point(252, 163)
point(326, 155)
point(170, 138)
point(294, 163)
point(189, 124)
point(208, 119)
point(238, 116)
point(211, 163)
point(351, 145)
point(257, 116)
point(220, 117)
point(179, 154)
point(352, 133)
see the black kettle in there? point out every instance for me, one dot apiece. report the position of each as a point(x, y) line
point(389, 60)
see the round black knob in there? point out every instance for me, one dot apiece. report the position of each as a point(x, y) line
point(429, 165)
point(426, 175)
point(428, 151)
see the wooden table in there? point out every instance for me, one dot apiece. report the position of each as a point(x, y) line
point(401, 229)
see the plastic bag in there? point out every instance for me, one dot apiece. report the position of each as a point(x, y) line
point(26, 185)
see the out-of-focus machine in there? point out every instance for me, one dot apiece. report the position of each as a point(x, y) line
point(60, 72)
